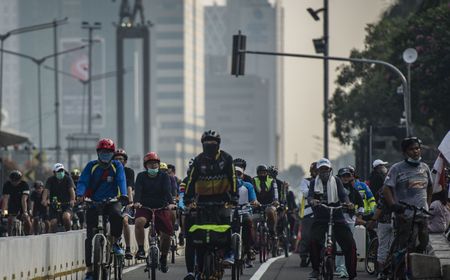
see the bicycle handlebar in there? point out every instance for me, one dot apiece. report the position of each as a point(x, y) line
point(415, 208)
point(331, 207)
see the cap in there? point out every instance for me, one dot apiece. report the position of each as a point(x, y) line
point(58, 166)
point(323, 162)
point(237, 168)
point(344, 171)
point(378, 162)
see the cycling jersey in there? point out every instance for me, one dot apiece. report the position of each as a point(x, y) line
point(246, 192)
point(60, 189)
point(102, 182)
point(266, 190)
point(15, 195)
point(369, 200)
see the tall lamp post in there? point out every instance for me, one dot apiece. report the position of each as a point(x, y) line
point(39, 62)
point(321, 46)
point(409, 56)
point(6, 35)
point(90, 28)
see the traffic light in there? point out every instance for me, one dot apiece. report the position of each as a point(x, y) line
point(238, 55)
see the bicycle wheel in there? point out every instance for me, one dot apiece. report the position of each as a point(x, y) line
point(236, 247)
point(208, 266)
point(286, 238)
point(274, 246)
point(118, 267)
point(328, 268)
point(154, 261)
point(173, 247)
point(98, 258)
point(371, 257)
point(262, 245)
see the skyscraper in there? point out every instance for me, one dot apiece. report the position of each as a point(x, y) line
point(254, 101)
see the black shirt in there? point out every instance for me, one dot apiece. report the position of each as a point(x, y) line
point(15, 195)
point(59, 188)
point(153, 192)
point(38, 208)
point(129, 176)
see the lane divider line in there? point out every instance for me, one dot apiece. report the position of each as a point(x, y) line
point(263, 268)
point(129, 269)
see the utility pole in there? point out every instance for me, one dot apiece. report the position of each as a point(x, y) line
point(325, 80)
point(90, 28)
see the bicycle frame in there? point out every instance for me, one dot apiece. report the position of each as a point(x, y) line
point(328, 258)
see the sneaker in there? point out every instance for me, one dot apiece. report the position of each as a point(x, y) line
point(304, 262)
point(342, 275)
point(118, 250)
point(229, 258)
point(128, 254)
point(140, 255)
point(314, 274)
point(163, 264)
point(89, 276)
point(190, 276)
point(248, 264)
point(381, 276)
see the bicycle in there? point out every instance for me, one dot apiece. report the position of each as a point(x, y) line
point(262, 233)
point(154, 253)
point(396, 265)
point(57, 206)
point(284, 234)
point(370, 261)
point(103, 258)
point(237, 245)
point(16, 226)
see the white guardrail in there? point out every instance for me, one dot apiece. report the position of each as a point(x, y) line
point(47, 256)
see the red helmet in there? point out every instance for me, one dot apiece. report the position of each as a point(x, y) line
point(121, 152)
point(151, 156)
point(106, 144)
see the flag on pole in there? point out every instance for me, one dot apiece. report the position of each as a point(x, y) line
point(438, 174)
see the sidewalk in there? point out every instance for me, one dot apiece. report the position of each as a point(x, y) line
point(441, 249)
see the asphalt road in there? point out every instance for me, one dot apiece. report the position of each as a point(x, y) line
point(278, 269)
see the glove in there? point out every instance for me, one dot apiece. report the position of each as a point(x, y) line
point(398, 208)
point(123, 200)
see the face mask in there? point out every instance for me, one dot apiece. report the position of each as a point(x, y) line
point(210, 150)
point(383, 170)
point(105, 157)
point(60, 175)
point(152, 172)
point(324, 175)
point(262, 178)
point(413, 162)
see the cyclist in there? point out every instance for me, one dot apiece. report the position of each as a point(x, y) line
point(38, 210)
point(306, 216)
point(409, 181)
point(369, 200)
point(59, 188)
point(377, 177)
point(329, 190)
point(267, 193)
point(174, 191)
point(243, 164)
point(212, 179)
point(153, 191)
point(15, 196)
point(247, 196)
point(182, 207)
point(122, 156)
point(346, 176)
point(172, 171)
point(100, 180)
point(75, 175)
point(78, 212)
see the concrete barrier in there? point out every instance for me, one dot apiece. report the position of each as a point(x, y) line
point(424, 266)
point(47, 256)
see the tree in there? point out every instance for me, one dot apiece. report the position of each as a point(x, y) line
point(366, 94)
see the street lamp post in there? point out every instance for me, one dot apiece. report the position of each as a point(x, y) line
point(39, 62)
point(6, 35)
point(90, 28)
point(321, 46)
point(409, 56)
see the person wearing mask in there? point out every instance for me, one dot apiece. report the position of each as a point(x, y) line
point(174, 191)
point(306, 215)
point(153, 191)
point(440, 210)
point(377, 177)
point(409, 181)
point(328, 189)
point(267, 193)
point(59, 189)
point(101, 180)
point(211, 179)
point(346, 176)
point(14, 200)
point(38, 210)
point(243, 164)
point(122, 156)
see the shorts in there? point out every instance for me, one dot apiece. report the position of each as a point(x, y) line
point(53, 213)
point(163, 220)
point(43, 215)
point(385, 237)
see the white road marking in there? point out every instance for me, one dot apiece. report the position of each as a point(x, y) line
point(263, 268)
point(126, 270)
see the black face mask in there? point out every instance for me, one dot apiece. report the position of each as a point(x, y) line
point(262, 178)
point(210, 150)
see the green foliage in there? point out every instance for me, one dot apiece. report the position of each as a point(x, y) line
point(366, 94)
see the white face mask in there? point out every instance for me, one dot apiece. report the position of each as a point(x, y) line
point(383, 170)
point(416, 161)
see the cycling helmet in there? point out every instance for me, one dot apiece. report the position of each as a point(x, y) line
point(352, 169)
point(409, 141)
point(15, 175)
point(344, 171)
point(152, 156)
point(75, 172)
point(171, 166)
point(240, 162)
point(261, 167)
point(106, 144)
point(163, 166)
point(38, 184)
point(273, 171)
point(210, 135)
point(121, 152)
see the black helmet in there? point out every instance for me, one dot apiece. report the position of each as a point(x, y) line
point(261, 167)
point(38, 183)
point(273, 171)
point(240, 162)
point(345, 170)
point(15, 175)
point(409, 141)
point(210, 135)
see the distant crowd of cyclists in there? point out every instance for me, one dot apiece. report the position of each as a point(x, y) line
point(215, 178)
